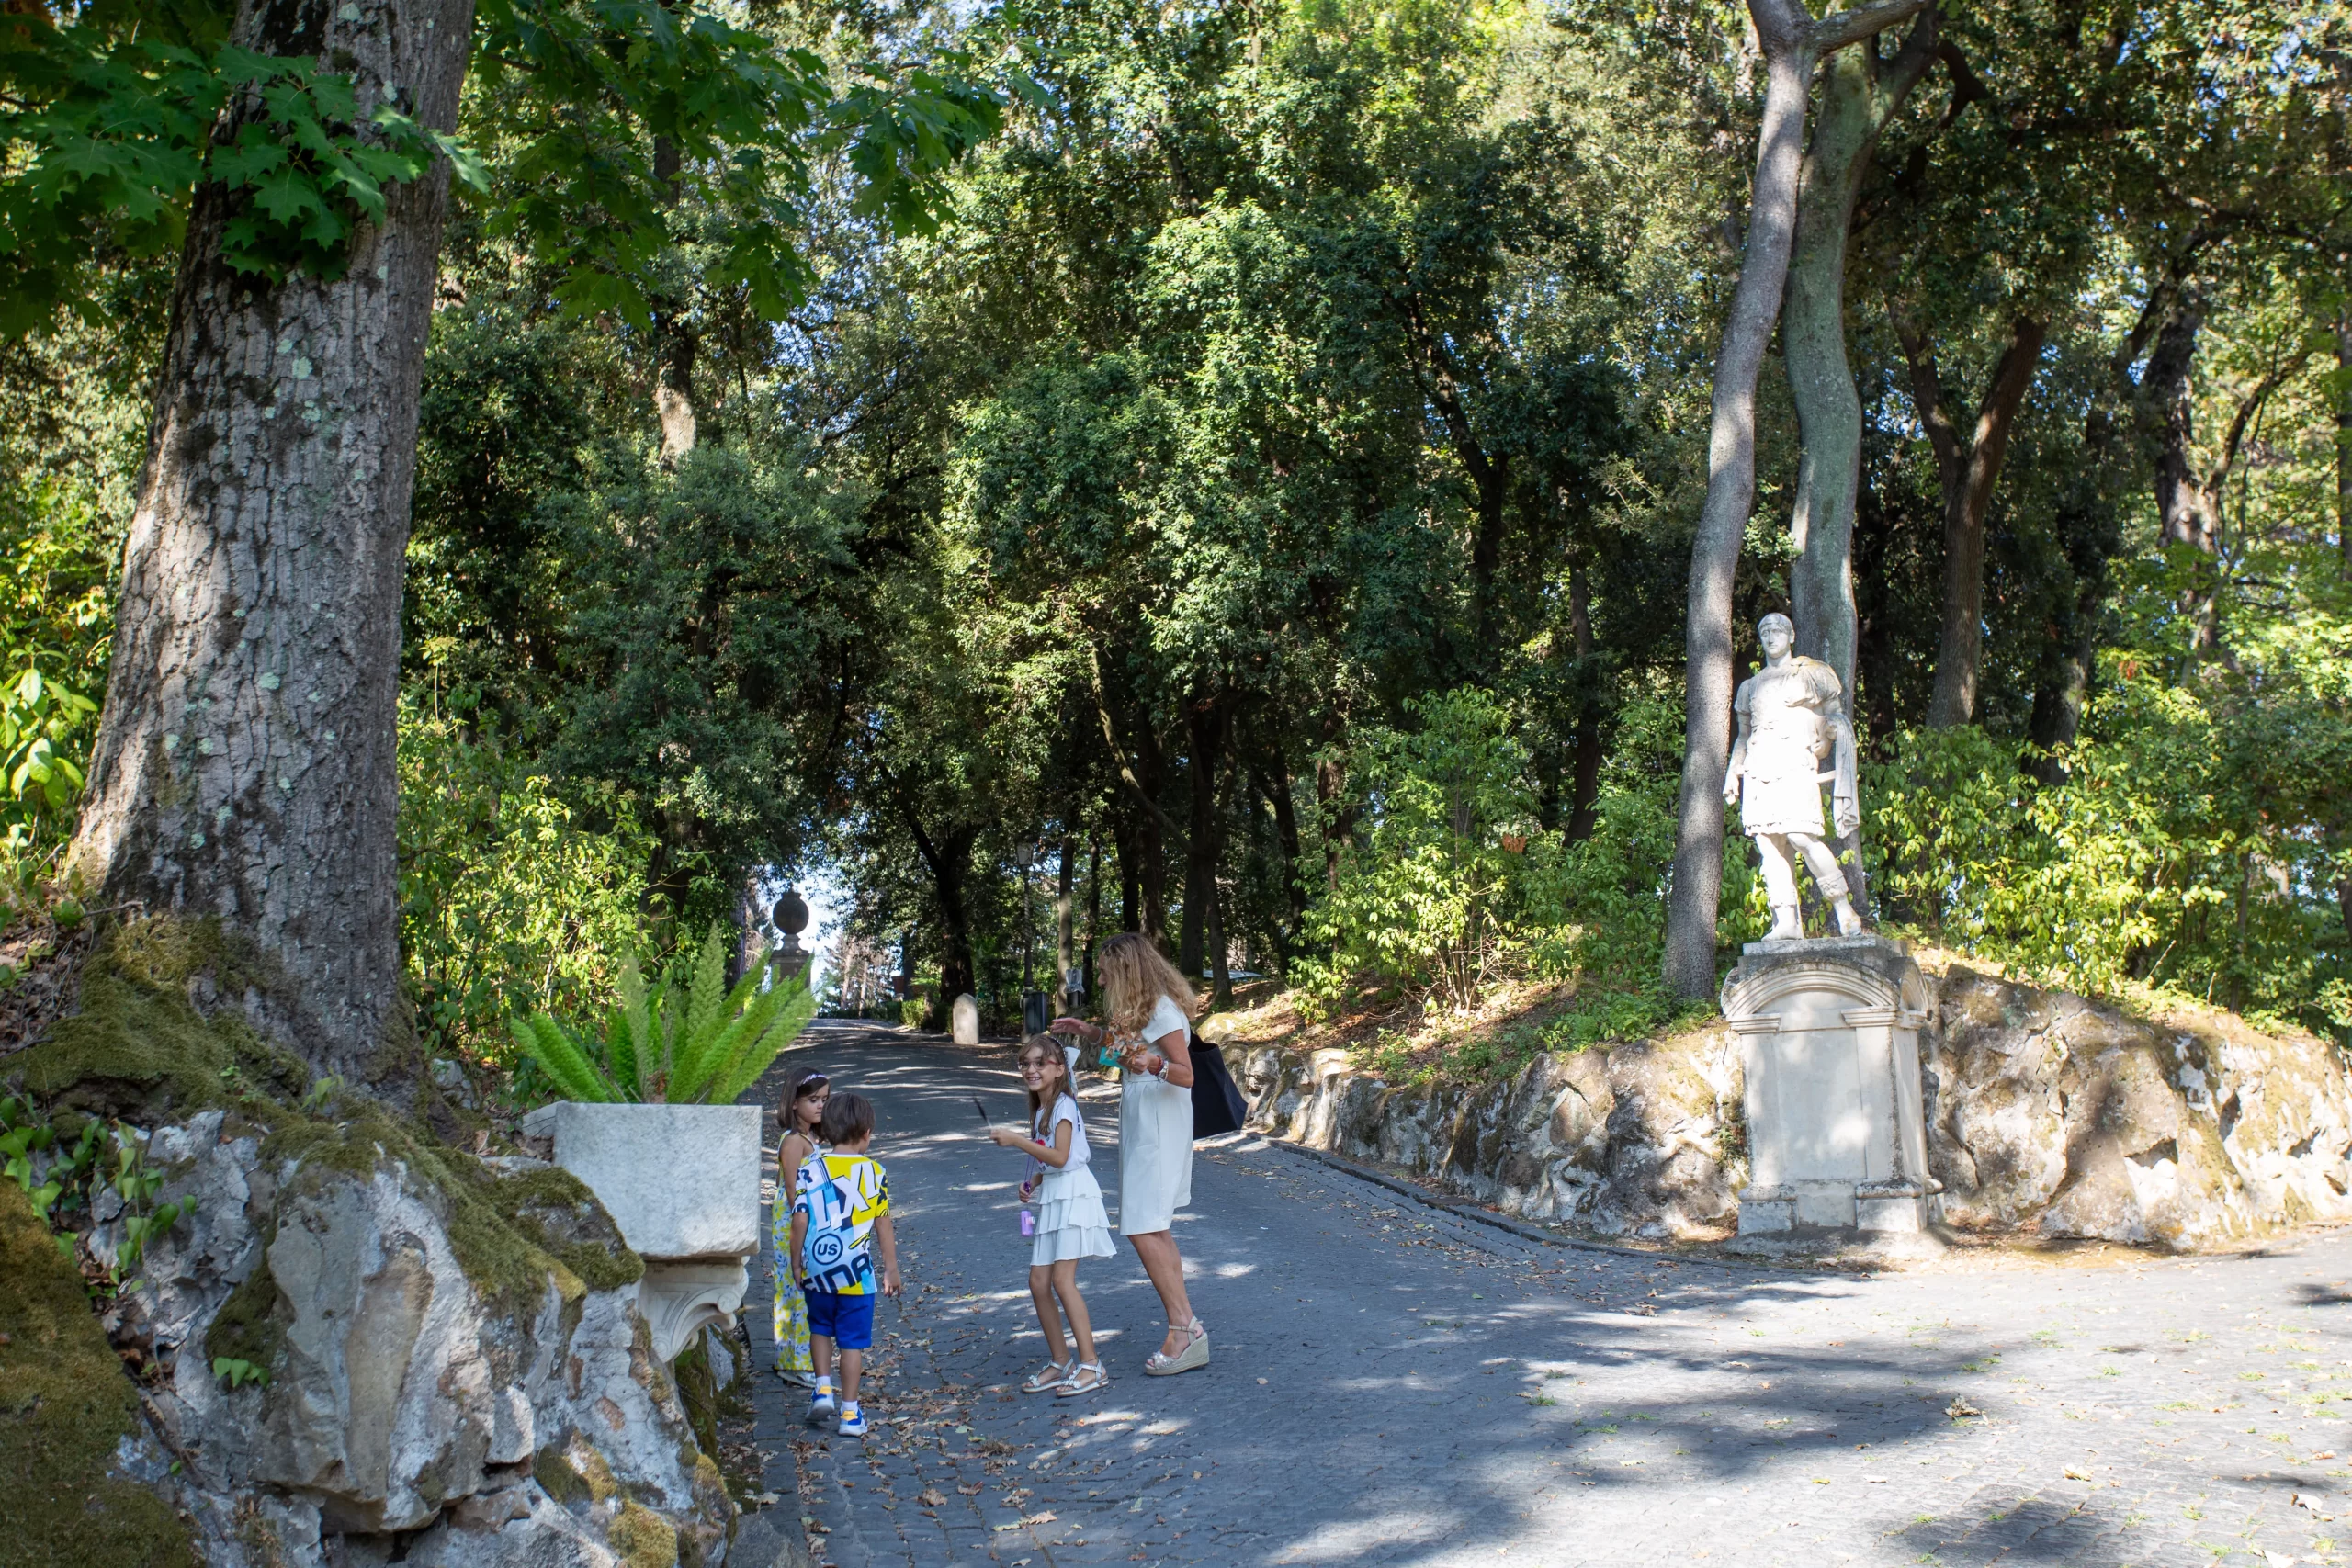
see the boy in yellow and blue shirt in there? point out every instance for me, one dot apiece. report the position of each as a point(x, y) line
point(842, 1208)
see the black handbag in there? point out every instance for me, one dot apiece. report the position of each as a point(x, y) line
point(1217, 1105)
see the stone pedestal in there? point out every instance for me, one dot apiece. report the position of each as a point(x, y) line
point(1836, 1144)
point(683, 1183)
point(964, 1019)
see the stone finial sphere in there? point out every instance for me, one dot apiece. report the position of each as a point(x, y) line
point(790, 914)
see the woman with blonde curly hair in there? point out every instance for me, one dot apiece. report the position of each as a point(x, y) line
point(1149, 1007)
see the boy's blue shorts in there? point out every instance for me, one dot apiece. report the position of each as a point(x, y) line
point(847, 1321)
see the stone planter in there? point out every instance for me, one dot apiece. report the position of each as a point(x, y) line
point(683, 1183)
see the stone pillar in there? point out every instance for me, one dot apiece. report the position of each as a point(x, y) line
point(683, 1184)
point(964, 1018)
point(1836, 1142)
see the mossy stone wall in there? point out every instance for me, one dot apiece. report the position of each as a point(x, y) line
point(64, 1405)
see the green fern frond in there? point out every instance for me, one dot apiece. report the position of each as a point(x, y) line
point(639, 1017)
point(744, 1012)
point(706, 1000)
point(620, 1058)
point(796, 1007)
point(673, 1008)
point(566, 1064)
point(714, 1059)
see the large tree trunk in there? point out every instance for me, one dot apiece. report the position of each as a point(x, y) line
point(2344, 448)
point(1859, 95)
point(1151, 838)
point(1206, 722)
point(1731, 491)
point(1584, 790)
point(245, 761)
point(1287, 834)
point(1791, 41)
point(951, 865)
point(1065, 913)
point(1967, 472)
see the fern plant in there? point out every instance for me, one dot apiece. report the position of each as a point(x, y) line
point(684, 1039)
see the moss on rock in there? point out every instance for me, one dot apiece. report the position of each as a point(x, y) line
point(65, 1403)
point(248, 1326)
point(140, 1045)
point(643, 1538)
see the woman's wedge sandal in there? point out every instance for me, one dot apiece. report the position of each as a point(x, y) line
point(1050, 1376)
point(1089, 1378)
point(1194, 1355)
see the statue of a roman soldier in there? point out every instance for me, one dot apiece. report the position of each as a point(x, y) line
point(1792, 723)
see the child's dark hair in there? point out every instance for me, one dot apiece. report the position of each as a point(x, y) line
point(807, 1082)
point(1049, 1049)
point(848, 1118)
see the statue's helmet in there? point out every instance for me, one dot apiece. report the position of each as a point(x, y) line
point(1776, 618)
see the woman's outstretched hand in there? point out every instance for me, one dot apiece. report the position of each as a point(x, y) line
point(1065, 1025)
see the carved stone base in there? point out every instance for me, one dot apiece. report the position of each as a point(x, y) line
point(678, 1297)
point(1830, 1031)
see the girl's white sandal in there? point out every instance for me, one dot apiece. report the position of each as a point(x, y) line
point(1087, 1377)
point(1194, 1355)
point(1050, 1376)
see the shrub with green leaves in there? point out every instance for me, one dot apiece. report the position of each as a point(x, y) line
point(687, 1039)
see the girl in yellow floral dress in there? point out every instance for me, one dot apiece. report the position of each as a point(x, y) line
point(802, 1113)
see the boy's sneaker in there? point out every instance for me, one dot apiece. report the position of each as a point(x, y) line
point(853, 1422)
point(822, 1409)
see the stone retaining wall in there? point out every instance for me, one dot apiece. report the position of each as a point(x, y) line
point(2046, 1114)
point(410, 1413)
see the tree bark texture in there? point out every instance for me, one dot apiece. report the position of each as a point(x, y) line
point(1584, 792)
point(1967, 471)
point(950, 863)
point(244, 764)
point(1065, 912)
point(1206, 722)
point(1731, 492)
point(1859, 95)
point(2343, 456)
point(1792, 42)
point(1278, 794)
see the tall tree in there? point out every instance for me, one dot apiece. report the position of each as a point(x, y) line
point(1966, 468)
point(245, 766)
point(1793, 43)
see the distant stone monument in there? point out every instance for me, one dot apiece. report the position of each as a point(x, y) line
point(788, 959)
point(965, 1017)
point(1828, 1026)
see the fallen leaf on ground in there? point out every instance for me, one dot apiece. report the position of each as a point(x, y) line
point(930, 1497)
point(1959, 1407)
point(2074, 1474)
point(970, 1489)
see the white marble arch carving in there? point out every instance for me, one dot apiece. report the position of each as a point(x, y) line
point(1829, 1038)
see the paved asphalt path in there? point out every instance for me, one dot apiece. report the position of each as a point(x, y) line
point(1393, 1385)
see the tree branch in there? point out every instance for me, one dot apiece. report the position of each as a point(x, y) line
point(1839, 29)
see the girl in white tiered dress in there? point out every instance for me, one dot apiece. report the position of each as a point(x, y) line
point(1071, 1222)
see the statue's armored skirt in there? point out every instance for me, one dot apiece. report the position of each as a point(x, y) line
point(1788, 739)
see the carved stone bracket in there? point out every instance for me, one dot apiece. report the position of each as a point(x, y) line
point(678, 1296)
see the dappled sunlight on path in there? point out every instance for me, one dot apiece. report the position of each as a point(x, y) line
point(1394, 1384)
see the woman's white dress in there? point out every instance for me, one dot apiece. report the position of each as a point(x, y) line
point(1071, 1221)
point(1155, 1140)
